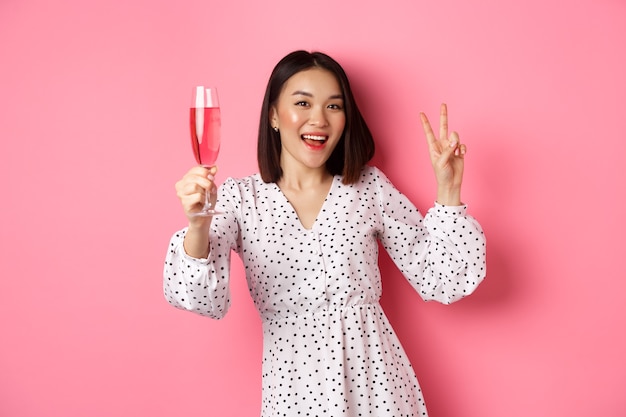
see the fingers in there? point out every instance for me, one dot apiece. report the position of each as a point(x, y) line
point(454, 149)
point(443, 128)
point(202, 171)
point(193, 187)
point(443, 125)
point(455, 145)
point(448, 151)
point(428, 130)
point(195, 180)
point(448, 144)
point(443, 122)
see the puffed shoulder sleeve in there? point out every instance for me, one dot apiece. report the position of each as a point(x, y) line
point(202, 285)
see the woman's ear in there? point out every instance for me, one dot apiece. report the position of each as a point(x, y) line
point(273, 117)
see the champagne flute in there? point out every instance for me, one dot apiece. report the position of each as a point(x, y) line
point(204, 123)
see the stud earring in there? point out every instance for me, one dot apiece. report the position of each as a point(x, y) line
point(275, 129)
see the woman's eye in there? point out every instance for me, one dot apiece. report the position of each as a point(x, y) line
point(335, 106)
point(302, 103)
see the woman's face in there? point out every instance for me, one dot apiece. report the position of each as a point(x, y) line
point(309, 114)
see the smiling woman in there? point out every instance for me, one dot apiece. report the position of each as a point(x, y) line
point(307, 229)
point(310, 119)
point(356, 146)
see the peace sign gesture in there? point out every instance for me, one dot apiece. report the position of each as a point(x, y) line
point(447, 157)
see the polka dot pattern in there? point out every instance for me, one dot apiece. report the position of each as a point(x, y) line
point(328, 346)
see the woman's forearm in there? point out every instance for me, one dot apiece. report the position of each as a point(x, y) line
point(196, 243)
point(449, 196)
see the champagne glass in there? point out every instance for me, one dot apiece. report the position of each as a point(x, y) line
point(204, 123)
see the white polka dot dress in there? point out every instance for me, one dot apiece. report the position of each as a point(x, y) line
point(328, 346)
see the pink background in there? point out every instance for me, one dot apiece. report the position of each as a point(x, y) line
point(93, 136)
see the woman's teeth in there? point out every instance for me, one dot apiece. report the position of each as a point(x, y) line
point(314, 137)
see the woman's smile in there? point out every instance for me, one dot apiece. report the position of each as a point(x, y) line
point(314, 141)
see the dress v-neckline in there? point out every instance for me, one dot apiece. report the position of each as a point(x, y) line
point(321, 210)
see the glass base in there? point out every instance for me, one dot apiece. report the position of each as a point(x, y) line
point(207, 213)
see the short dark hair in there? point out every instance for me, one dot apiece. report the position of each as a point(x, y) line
point(356, 145)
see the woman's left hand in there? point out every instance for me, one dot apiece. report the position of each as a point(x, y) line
point(447, 157)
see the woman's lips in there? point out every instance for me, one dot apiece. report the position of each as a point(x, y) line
point(315, 141)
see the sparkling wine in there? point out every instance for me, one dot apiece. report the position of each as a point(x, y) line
point(204, 123)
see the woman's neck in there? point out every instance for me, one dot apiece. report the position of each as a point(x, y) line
point(298, 179)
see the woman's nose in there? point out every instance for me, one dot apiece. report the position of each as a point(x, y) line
point(318, 117)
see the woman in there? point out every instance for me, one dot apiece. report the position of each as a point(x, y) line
point(307, 229)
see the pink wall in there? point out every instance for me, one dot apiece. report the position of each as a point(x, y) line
point(93, 135)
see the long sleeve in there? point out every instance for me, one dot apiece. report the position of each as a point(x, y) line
point(442, 255)
point(202, 285)
point(197, 285)
point(456, 254)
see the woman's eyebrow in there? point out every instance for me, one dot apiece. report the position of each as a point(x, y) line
point(302, 93)
point(307, 94)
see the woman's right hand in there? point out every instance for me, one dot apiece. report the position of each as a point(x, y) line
point(191, 190)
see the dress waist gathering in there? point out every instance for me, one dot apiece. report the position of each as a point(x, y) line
point(335, 309)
